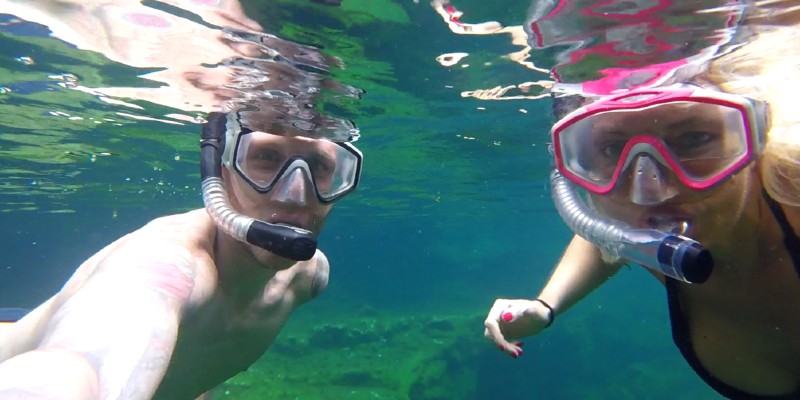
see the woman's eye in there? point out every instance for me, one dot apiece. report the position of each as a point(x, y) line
point(692, 141)
point(611, 149)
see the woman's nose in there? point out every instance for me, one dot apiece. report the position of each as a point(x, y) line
point(650, 184)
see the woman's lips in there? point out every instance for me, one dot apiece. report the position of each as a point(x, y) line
point(667, 221)
point(679, 224)
point(666, 218)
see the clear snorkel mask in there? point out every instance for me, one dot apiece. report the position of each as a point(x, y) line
point(600, 144)
point(332, 173)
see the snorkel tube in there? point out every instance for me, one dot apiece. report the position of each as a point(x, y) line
point(673, 255)
point(284, 240)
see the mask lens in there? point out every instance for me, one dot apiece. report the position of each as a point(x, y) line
point(699, 141)
point(335, 169)
point(263, 158)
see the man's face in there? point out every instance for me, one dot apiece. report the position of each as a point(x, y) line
point(291, 198)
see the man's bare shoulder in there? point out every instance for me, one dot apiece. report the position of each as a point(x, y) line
point(184, 240)
point(171, 255)
point(195, 225)
point(186, 235)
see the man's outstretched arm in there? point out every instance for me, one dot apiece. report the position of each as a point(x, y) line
point(110, 339)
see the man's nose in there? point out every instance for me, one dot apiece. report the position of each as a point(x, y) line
point(650, 184)
point(293, 188)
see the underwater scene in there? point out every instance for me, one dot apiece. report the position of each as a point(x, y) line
point(101, 108)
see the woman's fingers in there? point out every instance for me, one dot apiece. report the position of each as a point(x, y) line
point(500, 316)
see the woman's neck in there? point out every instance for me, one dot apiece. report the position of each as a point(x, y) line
point(751, 246)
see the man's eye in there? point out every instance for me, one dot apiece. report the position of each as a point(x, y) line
point(268, 155)
point(319, 165)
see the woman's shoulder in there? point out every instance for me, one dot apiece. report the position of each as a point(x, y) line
point(793, 217)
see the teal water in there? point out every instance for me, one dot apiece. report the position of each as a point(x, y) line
point(453, 212)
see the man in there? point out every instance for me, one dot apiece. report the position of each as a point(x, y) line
point(177, 307)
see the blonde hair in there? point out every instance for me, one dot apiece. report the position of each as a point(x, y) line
point(768, 68)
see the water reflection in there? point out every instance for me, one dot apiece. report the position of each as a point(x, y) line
point(608, 46)
point(599, 47)
point(527, 90)
point(201, 55)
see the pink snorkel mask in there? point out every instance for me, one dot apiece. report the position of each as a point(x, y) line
point(702, 136)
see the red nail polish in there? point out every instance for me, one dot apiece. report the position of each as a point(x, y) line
point(501, 347)
point(507, 316)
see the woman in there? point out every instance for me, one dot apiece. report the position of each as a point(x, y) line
point(717, 161)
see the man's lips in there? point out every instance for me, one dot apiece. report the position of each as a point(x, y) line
point(292, 220)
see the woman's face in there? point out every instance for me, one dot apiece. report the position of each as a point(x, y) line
point(699, 142)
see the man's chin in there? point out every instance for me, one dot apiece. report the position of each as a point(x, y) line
point(269, 260)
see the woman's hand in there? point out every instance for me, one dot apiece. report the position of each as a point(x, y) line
point(514, 319)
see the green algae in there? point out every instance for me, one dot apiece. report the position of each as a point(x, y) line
point(368, 357)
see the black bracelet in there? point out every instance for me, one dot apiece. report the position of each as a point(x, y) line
point(551, 316)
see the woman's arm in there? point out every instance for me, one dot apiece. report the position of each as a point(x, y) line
point(580, 271)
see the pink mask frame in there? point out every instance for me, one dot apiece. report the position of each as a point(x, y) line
point(754, 120)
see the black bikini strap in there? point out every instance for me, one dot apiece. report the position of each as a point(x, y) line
point(790, 239)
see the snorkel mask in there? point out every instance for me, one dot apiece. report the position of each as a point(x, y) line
point(709, 137)
point(332, 173)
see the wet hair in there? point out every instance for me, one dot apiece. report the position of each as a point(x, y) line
point(768, 68)
point(564, 104)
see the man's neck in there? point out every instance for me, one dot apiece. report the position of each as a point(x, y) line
point(241, 277)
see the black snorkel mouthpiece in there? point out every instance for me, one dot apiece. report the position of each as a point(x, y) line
point(283, 240)
point(687, 258)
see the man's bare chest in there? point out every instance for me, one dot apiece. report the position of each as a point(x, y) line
point(216, 343)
